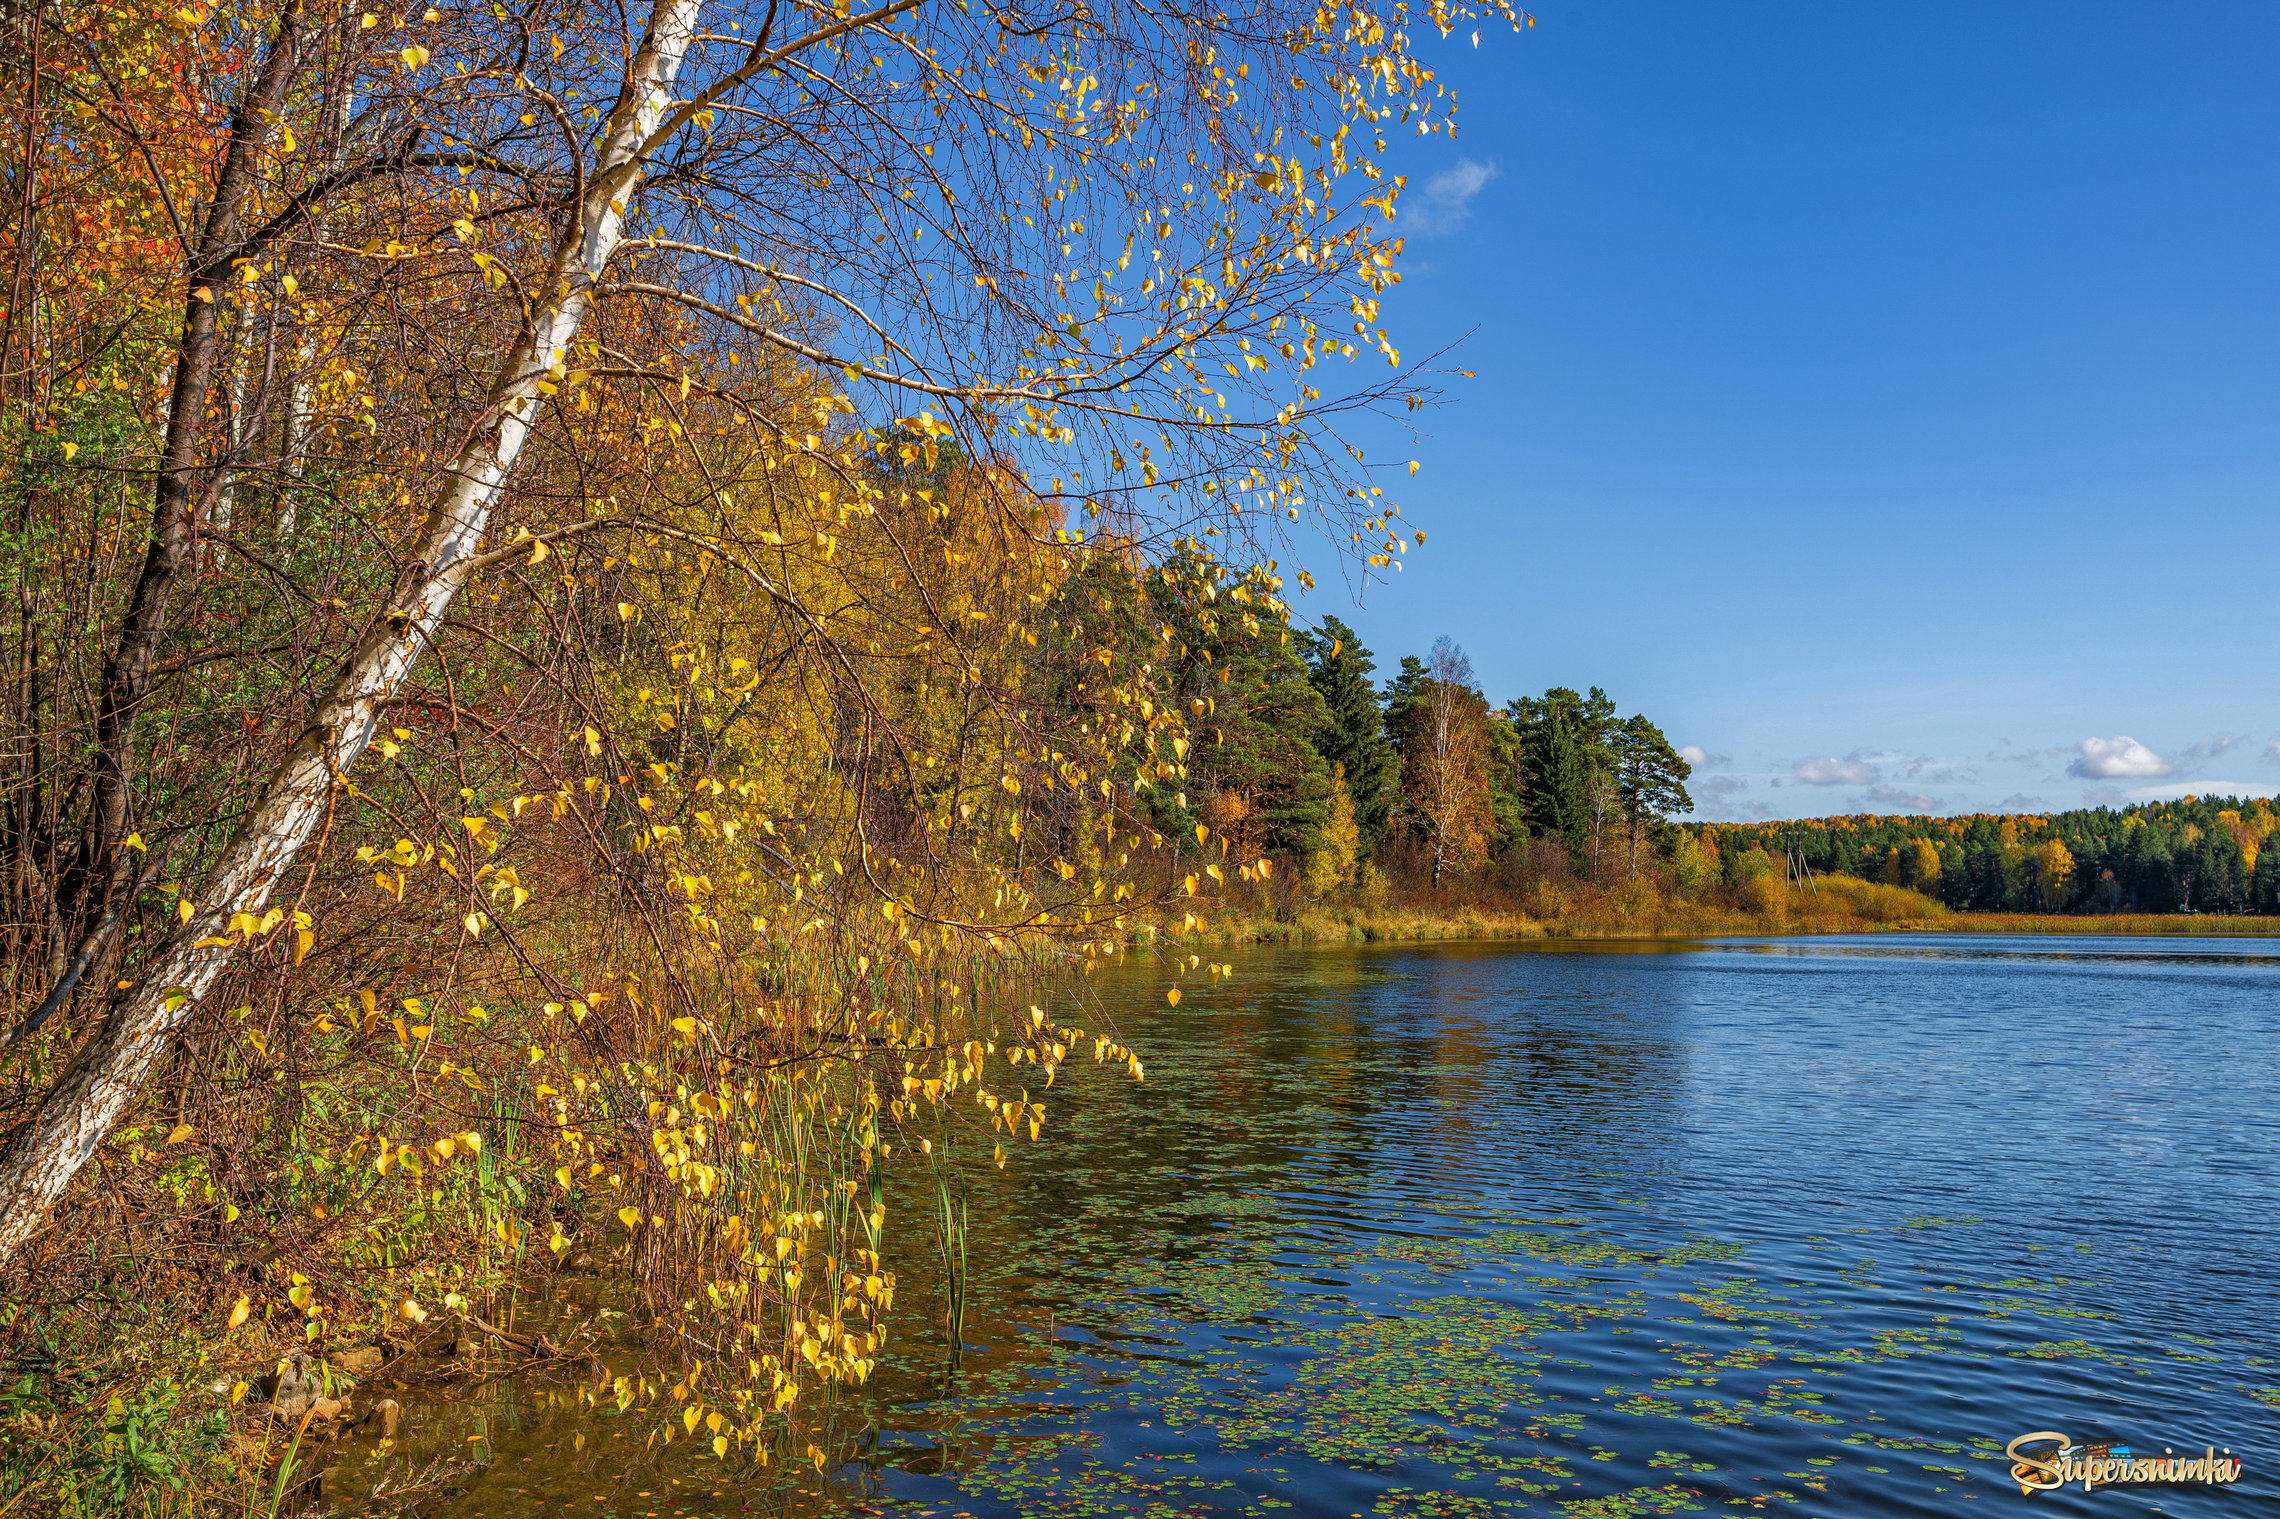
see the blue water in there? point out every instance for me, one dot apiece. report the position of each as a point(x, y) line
point(1802, 1228)
point(1807, 1227)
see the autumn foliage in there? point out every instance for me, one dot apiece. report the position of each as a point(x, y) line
point(596, 592)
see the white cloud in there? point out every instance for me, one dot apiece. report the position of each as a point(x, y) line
point(2272, 751)
point(1702, 759)
point(1444, 204)
point(2115, 759)
point(1831, 771)
point(1721, 786)
point(2019, 801)
point(2215, 744)
point(1906, 801)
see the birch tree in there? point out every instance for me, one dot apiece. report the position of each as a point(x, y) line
point(1109, 250)
point(1446, 760)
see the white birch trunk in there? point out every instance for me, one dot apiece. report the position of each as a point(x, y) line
point(233, 435)
point(39, 1158)
point(301, 391)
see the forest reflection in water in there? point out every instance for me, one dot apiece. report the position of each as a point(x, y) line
point(1607, 1229)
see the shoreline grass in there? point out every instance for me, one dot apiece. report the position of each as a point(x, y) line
point(1596, 915)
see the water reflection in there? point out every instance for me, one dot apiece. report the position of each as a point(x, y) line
point(1603, 1230)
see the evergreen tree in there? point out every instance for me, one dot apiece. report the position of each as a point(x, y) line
point(1251, 711)
point(2267, 883)
point(1507, 780)
point(1651, 776)
point(1397, 717)
point(1564, 743)
point(1353, 732)
point(1402, 693)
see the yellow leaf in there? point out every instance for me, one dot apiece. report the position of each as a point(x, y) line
point(183, 910)
point(538, 552)
point(1173, 996)
point(720, 1446)
point(180, 1132)
point(413, 56)
point(412, 1311)
point(240, 1312)
point(627, 611)
point(474, 922)
point(299, 1296)
point(630, 1217)
point(70, 450)
point(690, 1416)
point(562, 1175)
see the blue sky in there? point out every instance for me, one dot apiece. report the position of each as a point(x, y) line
point(1885, 401)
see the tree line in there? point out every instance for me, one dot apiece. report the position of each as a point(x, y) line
point(2196, 854)
point(1301, 755)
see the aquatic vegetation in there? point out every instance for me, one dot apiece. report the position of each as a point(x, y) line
point(1354, 1273)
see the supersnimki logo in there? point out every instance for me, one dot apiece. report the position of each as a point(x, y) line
point(2047, 1460)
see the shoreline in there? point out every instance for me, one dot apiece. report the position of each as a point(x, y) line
point(1393, 926)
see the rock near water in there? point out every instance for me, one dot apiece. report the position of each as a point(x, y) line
point(293, 1388)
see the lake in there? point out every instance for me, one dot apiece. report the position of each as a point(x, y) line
point(1806, 1227)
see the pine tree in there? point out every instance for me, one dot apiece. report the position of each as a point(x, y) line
point(1563, 741)
point(1652, 777)
point(1353, 729)
point(1252, 715)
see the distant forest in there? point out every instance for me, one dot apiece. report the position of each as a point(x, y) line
point(2199, 854)
point(1415, 781)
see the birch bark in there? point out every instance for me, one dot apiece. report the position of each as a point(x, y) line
point(39, 1158)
